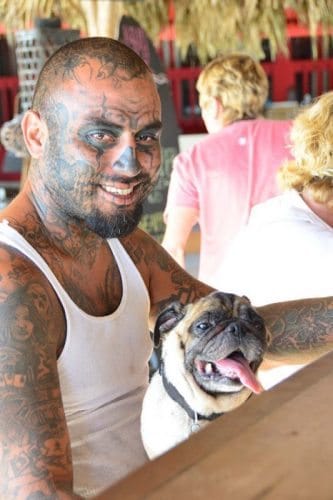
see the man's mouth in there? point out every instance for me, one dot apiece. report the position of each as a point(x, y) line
point(125, 193)
point(117, 191)
point(121, 195)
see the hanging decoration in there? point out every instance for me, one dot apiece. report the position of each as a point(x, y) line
point(216, 26)
point(21, 14)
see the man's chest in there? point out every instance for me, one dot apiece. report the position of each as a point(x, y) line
point(94, 284)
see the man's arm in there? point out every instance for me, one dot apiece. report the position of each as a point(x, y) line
point(35, 457)
point(179, 223)
point(165, 280)
point(302, 330)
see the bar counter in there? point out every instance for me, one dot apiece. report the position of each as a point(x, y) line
point(277, 446)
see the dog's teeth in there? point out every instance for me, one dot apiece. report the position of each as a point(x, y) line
point(208, 368)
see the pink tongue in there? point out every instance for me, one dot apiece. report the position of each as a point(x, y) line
point(238, 367)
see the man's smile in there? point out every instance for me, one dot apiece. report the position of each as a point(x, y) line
point(121, 195)
point(115, 190)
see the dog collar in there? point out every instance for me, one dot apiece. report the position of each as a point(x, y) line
point(178, 398)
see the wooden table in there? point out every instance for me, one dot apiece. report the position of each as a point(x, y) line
point(279, 445)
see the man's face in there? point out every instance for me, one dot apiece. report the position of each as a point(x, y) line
point(103, 154)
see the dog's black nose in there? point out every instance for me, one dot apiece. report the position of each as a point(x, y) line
point(233, 328)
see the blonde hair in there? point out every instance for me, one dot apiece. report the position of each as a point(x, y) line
point(311, 139)
point(238, 82)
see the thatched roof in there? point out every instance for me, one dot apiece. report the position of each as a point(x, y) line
point(212, 26)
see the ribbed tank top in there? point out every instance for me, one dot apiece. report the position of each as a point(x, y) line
point(103, 371)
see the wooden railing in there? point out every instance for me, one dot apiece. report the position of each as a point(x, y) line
point(293, 79)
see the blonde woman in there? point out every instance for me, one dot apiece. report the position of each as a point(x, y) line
point(286, 250)
point(217, 182)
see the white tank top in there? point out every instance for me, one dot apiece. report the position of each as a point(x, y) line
point(103, 371)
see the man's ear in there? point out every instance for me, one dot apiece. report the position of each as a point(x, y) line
point(34, 132)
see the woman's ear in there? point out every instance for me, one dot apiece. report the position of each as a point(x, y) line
point(212, 113)
point(34, 132)
point(216, 108)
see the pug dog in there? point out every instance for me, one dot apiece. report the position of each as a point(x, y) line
point(211, 350)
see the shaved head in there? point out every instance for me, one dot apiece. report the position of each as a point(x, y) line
point(116, 61)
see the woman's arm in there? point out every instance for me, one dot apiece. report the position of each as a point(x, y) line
point(179, 223)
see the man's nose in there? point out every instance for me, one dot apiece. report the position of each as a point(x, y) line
point(127, 163)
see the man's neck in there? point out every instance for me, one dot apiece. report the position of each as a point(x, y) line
point(66, 235)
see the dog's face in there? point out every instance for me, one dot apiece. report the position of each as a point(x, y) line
point(216, 343)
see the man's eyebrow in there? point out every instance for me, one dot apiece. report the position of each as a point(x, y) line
point(99, 122)
point(156, 125)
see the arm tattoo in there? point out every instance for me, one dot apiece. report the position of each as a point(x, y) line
point(185, 288)
point(165, 279)
point(300, 327)
point(34, 445)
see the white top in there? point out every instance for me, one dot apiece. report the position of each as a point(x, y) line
point(284, 253)
point(103, 373)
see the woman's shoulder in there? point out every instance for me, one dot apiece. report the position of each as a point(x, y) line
point(287, 206)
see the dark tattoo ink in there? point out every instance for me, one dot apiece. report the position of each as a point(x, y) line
point(304, 326)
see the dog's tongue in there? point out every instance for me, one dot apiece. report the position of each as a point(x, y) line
point(238, 367)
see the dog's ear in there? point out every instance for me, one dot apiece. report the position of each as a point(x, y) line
point(167, 319)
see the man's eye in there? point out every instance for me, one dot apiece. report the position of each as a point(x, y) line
point(147, 138)
point(101, 137)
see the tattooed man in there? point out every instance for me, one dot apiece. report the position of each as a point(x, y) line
point(79, 282)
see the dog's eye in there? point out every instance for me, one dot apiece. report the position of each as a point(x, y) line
point(204, 325)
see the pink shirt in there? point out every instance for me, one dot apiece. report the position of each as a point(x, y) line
point(223, 176)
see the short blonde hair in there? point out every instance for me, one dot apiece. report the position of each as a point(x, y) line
point(311, 139)
point(238, 82)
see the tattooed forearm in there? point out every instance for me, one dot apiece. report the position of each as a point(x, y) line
point(34, 444)
point(302, 328)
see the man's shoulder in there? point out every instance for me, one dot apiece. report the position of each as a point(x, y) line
point(139, 243)
point(16, 263)
point(16, 268)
